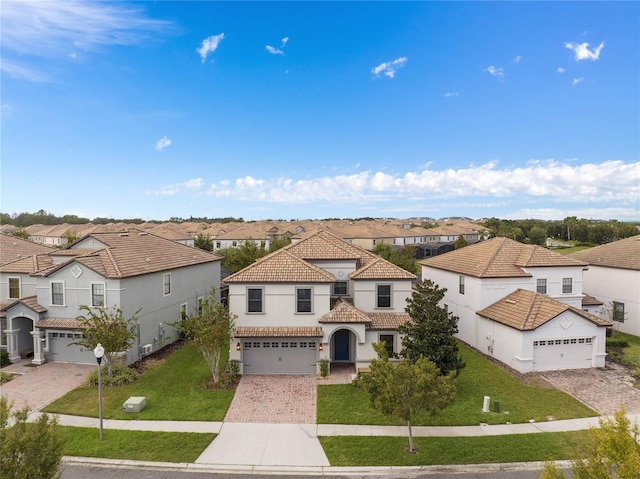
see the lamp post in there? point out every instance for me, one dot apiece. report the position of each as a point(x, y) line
point(99, 353)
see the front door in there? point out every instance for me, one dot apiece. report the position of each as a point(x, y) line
point(341, 345)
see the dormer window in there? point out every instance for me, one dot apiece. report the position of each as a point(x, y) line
point(340, 288)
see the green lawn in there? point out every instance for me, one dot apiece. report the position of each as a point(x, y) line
point(519, 403)
point(172, 388)
point(572, 249)
point(387, 451)
point(135, 445)
point(631, 353)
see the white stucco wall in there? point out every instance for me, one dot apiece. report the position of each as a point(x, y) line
point(365, 295)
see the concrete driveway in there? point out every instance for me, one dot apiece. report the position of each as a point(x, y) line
point(37, 386)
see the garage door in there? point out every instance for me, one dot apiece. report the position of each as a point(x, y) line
point(568, 353)
point(60, 349)
point(279, 356)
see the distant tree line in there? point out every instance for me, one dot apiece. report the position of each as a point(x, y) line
point(581, 231)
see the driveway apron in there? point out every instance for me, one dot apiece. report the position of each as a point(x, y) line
point(37, 386)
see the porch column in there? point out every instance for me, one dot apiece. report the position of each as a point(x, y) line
point(12, 344)
point(38, 346)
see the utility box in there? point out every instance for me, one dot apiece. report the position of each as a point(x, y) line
point(134, 404)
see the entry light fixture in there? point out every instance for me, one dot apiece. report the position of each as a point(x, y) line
point(321, 347)
point(237, 346)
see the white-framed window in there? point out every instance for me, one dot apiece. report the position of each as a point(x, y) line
point(388, 341)
point(567, 285)
point(618, 311)
point(183, 311)
point(255, 300)
point(57, 293)
point(166, 284)
point(340, 288)
point(14, 288)
point(97, 295)
point(541, 285)
point(461, 284)
point(303, 300)
point(383, 296)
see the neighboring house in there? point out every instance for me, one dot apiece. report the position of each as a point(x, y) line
point(614, 278)
point(320, 298)
point(159, 279)
point(522, 304)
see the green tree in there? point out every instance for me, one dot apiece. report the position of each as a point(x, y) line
point(70, 236)
point(278, 243)
point(203, 241)
point(404, 389)
point(209, 330)
point(538, 235)
point(28, 451)
point(404, 258)
point(460, 242)
point(109, 328)
point(613, 451)
point(242, 256)
point(430, 332)
point(20, 233)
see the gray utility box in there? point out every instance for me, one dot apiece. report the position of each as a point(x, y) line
point(134, 404)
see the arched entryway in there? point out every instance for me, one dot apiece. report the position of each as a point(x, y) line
point(19, 338)
point(343, 346)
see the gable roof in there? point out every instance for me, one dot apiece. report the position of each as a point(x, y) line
point(380, 268)
point(623, 254)
point(527, 310)
point(324, 244)
point(344, 312)
point(27, 265)
point(281, 266)
point(499, 258)
point(133, 253)
point(30, 302)
point(13, 248)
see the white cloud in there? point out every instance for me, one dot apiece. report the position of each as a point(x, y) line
point(577, 80)
point(517, 59)
point(389, 68)
point(162, 143)
point(209, 45)
point(495, 71)
point(561, 70)
point(273, 50)
point(284, 41)
point(450, 94)
point(170, 190)
point(582, 52)
point(550, 180)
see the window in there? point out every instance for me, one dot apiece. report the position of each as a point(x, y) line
point(14, 288)
point(183, 311)
point(57, 293)
point(387, 339)
point(97, 294)
point(541, 285)
point(461, 284)
point(618, 311)
point(567, 285)
point(383, 299)
point(217, 244)
point(340, 288)
point(166, 280)
point(303, 300)
point(254, 300)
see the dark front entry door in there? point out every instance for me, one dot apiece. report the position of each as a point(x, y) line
point(341, 345)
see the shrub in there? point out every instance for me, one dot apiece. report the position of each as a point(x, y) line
point(121, 375)
point(324, 368)
point(4, 377)
point(615, 342)
point(234, 370)
point(4, 359)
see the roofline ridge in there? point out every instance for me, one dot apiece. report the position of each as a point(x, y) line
point(113, 261)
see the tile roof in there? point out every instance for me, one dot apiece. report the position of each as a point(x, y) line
point(590, 300)
point(60, 323)
point(13, 248)
point(135, 253)
point(299, 332)
point(281, 266)
point(381, 269)
point(499, 258)
point(623, 254)
point(28, 265)
point(527, 310)
point(30, 302)
point(388, 320)
point(345, 312)
point(326, 245)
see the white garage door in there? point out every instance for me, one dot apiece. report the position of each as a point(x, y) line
point(60, 349)
point(568, 353)
point(279, 356)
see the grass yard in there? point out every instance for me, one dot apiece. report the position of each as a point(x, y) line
point(386, 451)
point(630, 353)
point(572, 249)
point(519, 403)
point(172, 388)
point(135, 445)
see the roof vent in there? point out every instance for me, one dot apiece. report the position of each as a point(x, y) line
point(125, 233)
point(148, 260)
point(510, 301)
point(143, 233)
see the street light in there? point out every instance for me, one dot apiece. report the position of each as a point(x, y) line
point(99, 353)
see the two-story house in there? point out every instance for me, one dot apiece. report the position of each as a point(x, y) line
point(320, 298)
point(614, 278)
point(521, 304)
point(154, 278)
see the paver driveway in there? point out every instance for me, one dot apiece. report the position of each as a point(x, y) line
point(37, 386)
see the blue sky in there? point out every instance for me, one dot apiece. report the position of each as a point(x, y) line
point(312, 110)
